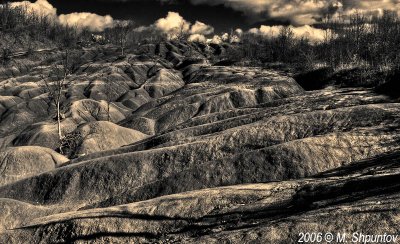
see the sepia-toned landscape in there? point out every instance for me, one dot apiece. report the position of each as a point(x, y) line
point(115, 132)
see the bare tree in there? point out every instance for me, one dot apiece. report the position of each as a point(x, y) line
point(285, 41)
point(108, 92)
point(121, 30)
point(54, 85)
point(58, 80)
point(180, 33)
point(4, 15)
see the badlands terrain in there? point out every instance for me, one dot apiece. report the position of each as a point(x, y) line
point(167, 146)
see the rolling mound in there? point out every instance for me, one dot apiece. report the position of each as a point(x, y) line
point(102, 135)
point(345, 200)
point(22, 162)
point(167, 147)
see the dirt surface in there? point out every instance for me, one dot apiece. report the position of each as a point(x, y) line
point(169, 148)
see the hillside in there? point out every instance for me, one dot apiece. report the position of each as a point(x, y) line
point(165, 145)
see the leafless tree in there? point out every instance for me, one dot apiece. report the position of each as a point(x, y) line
point(108, 92)
point(4, 15)
point(121, 32)
point(54, 86)
point(285, 40)
point(181, 32)
point(56, 83)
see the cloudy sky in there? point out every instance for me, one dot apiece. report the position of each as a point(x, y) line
point(208, 17)
point(146, 12)
point(223, 14)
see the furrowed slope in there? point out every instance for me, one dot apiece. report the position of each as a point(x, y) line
point(345, 200)
point(168, 147)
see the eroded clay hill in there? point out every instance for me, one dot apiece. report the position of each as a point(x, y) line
point(169, 147)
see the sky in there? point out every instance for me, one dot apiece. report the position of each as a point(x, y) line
point(146, 12)
point(256, 16)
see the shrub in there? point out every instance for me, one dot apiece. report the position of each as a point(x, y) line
point(70, 144)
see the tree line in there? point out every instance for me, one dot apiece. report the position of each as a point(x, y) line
point(353, 40)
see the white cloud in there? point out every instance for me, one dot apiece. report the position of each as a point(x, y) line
point(311, 33)
point(234, 39)
point(306, 31)
point(91, 21)
point(267, 31)
point(82, 20)
point(215, 40)
point(172, 25)
point(197, 38)
point(41, 7)
point(225, 37)
point(238, 32)
point(201, 28)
